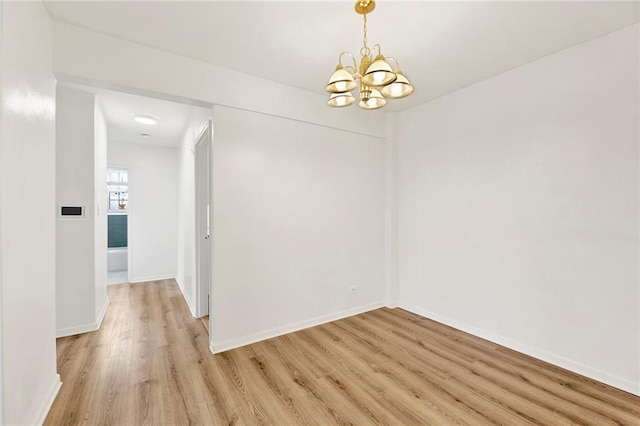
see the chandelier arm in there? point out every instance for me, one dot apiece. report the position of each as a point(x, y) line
point(379, 48)
point(387, 58)
point(355, 64)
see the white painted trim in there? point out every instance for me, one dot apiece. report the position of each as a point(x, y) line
point(55, 388)
point(102, 314)
point(134, 280)
point(186, 299)
point(290, 328)
point(84, 328)
point(76, 329)
point(205, 138)
point(558, 360)
point(392, 304)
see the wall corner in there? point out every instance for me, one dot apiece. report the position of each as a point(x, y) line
point(392, 289)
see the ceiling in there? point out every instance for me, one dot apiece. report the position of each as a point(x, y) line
point(441, 46)
point(119, 109)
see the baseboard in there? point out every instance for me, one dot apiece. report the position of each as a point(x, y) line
point(226, 345)
point(392, 304)
point(102, 314)
point(186, 299)
point(560, 361)
point(151, 278)
point(53, 392)
point(84, 328)
point(77, 329)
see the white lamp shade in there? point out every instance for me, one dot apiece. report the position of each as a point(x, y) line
point(341, 81)
point(339, 100)
point(398, 89)
point(374, 101)
point(379, 73)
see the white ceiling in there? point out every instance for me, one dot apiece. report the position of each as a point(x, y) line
point(441, 46)
point(119, 109)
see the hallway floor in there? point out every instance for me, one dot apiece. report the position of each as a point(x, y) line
point(117, 277)
point(205, 322)
point(150, 364)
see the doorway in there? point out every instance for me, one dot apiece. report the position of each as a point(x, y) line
point(203, 222)
point(117, 225)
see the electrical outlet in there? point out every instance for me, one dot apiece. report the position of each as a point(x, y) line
point(353, 289)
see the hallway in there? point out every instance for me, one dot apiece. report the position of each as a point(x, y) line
point(130, 371)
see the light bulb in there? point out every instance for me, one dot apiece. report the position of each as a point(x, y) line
point(146, 119)
point(378, 76)
point(341, 86)
point(396, 89)
point(371, 102)
point(341, 100)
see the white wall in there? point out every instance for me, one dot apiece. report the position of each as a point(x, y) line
point(153, 208)
point(518, 209)
point(392, 285)
point(298, 218)
point(75, 184)
point(186, 275)
point(27, 213)
point(81, 245)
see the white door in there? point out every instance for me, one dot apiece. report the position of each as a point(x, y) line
point(203, 220)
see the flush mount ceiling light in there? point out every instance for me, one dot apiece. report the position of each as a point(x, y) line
point(375, 79)
point(146, 119)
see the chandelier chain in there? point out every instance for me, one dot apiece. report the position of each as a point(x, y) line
point(365, 51)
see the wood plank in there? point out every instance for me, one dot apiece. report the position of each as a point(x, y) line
point(150, 364)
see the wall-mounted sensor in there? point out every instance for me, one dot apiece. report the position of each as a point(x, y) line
point(72, 211)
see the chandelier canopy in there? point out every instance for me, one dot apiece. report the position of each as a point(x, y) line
point(374, 78)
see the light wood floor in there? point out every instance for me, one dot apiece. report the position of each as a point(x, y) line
point(150, 364)
point(205, 322)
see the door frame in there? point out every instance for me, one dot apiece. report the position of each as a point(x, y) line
point(203, 290)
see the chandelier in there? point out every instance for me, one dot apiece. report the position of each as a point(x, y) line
point(375, 78)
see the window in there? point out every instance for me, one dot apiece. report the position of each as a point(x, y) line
point(118, 189)
point(118, 200)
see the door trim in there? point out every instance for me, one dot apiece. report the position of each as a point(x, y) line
point(202, 303)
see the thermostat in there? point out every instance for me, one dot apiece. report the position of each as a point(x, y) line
point(72, 211)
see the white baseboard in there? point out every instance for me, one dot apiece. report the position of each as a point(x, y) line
point(226, 345)
point(392, 304)
point(84, 328)
point(151, 278)
point(102, 314)
point(77, 329)
point(48, 402)
point(186, 299)
point(560, 361)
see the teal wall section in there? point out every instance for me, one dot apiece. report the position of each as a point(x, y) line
point(117, 226)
